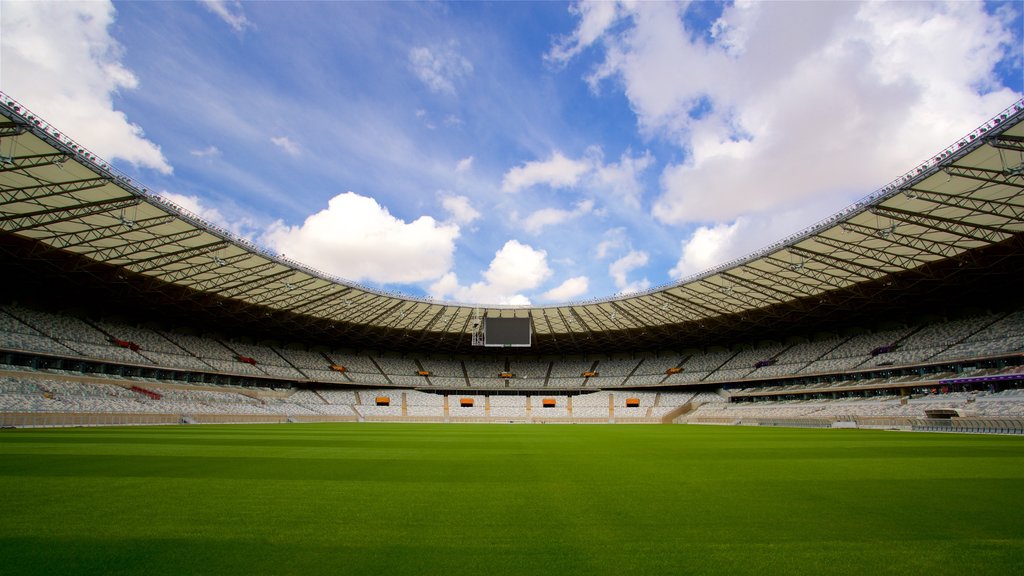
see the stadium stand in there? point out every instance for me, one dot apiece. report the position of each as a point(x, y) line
point(904, 308)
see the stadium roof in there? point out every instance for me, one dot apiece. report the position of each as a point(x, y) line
point(963, 208)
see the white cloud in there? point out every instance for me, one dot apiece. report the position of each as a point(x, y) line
point(556, 172)
point(711, 245)
point(708, 247)
point(571, 288)
point(536, 221)
point(60, 61)
point(516, 268)
point(619, 181)
point(440, 68)
point(595, 18)
point(622, 180)
point(210, 151)
point(358, 239)
point(287, 144)
point(611, 241)
point(460, 208)
point(620, 269)
point(231, 12)
point(808, 99)
point(464, 165)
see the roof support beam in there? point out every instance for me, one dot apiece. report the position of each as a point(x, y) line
point(250, 284)
point(35, 193)
point(40, 218)
point(1007, 142)
point(918, 242)
point(315, 297)
point(996, 208)
point(966, 229)
point(159, 262)
point(32, 161)
point(318, 306)
point(62, 240)
point(276, 296)
point(794, 286)
point(824, 276)
point(130, 247)
point(880, 255)
point(204, 285)
point(854, 268)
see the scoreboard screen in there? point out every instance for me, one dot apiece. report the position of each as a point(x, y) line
point(506, 332)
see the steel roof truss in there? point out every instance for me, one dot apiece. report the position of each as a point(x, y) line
point(669, 310)
point(916, 241)
point(698, 310)
point(248, 283)
point(717, 305)
point(1007, 142)
point(793, 284)
point(972, 230)
point(316, 297)
point(423, 312)
point(901, 261)
point(33, 161)
point(205, 285)
point(159, 262)
point(9, 129)
point(997, 208)
point(272, 296)
point(1000, 177)
point(40, 191)
point(130, 247)
point(768, 291)
point(309, 306)
point(38, 219)
point(62, 240)
point(333, 309)
point(849, 266)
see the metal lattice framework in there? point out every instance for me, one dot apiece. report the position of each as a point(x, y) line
point(61, 204)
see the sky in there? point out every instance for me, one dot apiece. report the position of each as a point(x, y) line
point(513, 153)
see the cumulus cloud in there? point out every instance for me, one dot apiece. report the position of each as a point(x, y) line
point(571, 288)
point(619, 271)
point(611, 241)
point(556, 172)
point(287, 144)
point(516, 268)
point(812, 104)
point(440, 68)
point(620, 181)
point(460, 208)
point(537, 220)
point(595, 18)
point(231, 12)
point(60, 61)
point(358, 239)
point(711, 245)
point(808, 98)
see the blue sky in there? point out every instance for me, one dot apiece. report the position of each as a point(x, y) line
point(513, 152)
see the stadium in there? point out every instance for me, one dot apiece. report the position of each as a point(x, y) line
point(179, 397)
point(903, 312)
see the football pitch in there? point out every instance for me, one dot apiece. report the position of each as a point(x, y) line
point(508, 499)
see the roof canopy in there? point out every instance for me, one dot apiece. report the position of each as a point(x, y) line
point(60, 203)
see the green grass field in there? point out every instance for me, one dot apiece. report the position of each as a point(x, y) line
point(507, 499)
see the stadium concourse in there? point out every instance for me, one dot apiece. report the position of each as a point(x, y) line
point(903, 311)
